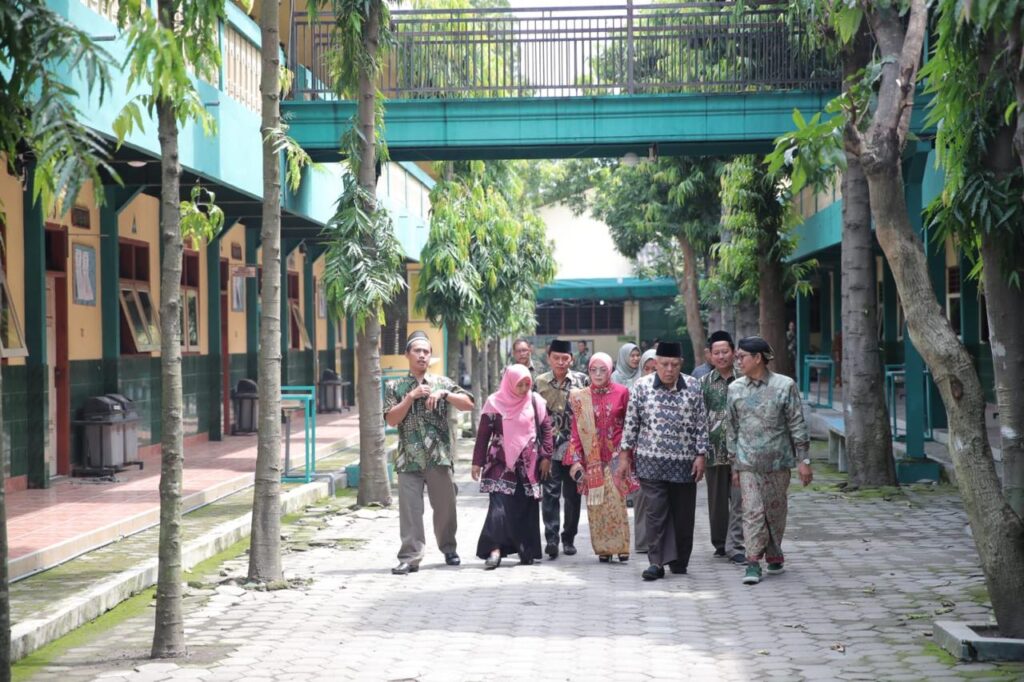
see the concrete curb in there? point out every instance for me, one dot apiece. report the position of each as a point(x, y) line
point(77, 610)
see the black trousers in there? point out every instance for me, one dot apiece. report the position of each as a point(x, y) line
point(719, 480)
point(670, 516)
point(560, 485)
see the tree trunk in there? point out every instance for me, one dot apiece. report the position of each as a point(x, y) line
point(771, 319)
point(265, 534)
point(479, 390)
point(1006, 340)
point(868, 438)
point(998, 531)
point(746, 318)
point(493, 364)
point(691, 300)
point(169, 632)
point(373, 480)
point(5, 593)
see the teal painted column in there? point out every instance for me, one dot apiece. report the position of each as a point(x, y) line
point(214, 357)
point(332, 343)
point(837, 301)
point(309, 306)
point(825, 311)
point(803, 331)
point(890, 316)
point(252, 300)
point(918, 466)
point(37, 372)
point(970, 329)
point(287, 246)
point(116, 199)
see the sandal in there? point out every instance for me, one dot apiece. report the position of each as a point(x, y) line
point(604, 558)
point(623, 557)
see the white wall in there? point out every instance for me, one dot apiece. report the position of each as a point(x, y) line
point(583, 245)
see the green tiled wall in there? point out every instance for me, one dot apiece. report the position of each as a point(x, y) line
point(300, 367)
point(196, 371)
point(348, 373)
point(15, 405)
point(140, 381)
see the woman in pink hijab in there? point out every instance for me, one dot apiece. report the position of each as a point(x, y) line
point(512, 455)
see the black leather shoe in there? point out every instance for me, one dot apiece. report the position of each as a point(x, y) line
point(604, 558)
point(720, 552)
point(452, 559)
point(526, 562)
point(568, 548)
point(677, 568)
point(404, 568)
point(653, 572)
point(551, 549)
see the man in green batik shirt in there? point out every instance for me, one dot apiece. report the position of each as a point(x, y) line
point(417, 405)
point(725, 513)
point(766, 437)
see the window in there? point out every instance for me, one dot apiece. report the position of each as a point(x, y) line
point(12, 341)
point(299, 337)
point(140, 327)
point(953, 298)
point(580, 317)
point(190, 302)
point(394, 331)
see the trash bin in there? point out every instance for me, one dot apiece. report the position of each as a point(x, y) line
point(131, 426)
point(246, 406)
point(329, 396)
point(102, 420)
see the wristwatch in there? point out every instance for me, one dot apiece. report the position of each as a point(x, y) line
point(806, 460)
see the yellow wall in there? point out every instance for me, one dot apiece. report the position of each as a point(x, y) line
point(236, 319)
point(418, 323)
point(84, 321)
point(11, 202)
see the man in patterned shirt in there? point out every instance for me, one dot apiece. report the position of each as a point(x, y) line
point(665, 441)
point(417, 405)
point(766, 437)
point(554, 387)
point(725, 514)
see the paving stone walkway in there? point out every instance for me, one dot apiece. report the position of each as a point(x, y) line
point(865, 578)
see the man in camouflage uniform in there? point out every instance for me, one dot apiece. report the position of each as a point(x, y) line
point(766, 437)
point(417, 405)
point(554, 387)
point(725, 514)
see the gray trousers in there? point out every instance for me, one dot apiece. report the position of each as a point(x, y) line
point(725, 510)
point(640, 520)
point(441, 491)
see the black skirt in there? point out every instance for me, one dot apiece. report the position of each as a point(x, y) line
point(512, 525)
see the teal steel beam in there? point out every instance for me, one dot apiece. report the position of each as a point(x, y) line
point(213, 330)
point(561, 127)
point(309, 306)
point(287, 246)
point(116, 199)
point(803, 332)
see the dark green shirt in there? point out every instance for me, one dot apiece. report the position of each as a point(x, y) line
point(715, 388)
point(423, 436)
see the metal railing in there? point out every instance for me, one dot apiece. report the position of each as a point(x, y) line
point(624, 48)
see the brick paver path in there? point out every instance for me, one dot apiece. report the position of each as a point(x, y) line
point(865, 578)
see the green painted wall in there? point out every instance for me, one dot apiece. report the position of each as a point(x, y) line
point(15, 401)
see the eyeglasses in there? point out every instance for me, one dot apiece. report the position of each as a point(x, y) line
point(743, 356)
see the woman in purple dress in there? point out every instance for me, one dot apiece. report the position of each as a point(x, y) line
point(511, 457)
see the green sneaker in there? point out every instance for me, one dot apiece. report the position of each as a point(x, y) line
point(753, 574)
point(776, 568)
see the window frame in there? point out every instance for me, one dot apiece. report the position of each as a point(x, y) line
point(151, 324)
point(190, 291)
point(303, 341)
point(13, 321)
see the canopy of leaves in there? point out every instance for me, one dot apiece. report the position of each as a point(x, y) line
point(757, 220)
point(363, 265)
point(486, 253)
point(38, 117)
point(167, 50)
point(972, 75)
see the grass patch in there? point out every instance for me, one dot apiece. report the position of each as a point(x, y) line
point(979, 594)
point(81, 636)
point(207, 566)
point(945, 658)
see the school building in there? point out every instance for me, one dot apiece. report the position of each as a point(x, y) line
point(81, 290)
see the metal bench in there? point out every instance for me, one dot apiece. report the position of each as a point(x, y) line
point(820, 364)
point(837, 443)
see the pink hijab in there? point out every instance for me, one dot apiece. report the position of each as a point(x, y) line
point(604, 359)
point(517, 420)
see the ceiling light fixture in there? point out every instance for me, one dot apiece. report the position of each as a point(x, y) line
point(137, 164)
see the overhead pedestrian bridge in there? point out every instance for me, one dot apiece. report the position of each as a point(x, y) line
point(550, 82)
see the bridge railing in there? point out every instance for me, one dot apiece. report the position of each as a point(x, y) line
point(624, 48)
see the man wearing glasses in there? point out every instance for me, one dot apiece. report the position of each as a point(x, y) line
point(766, 437)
